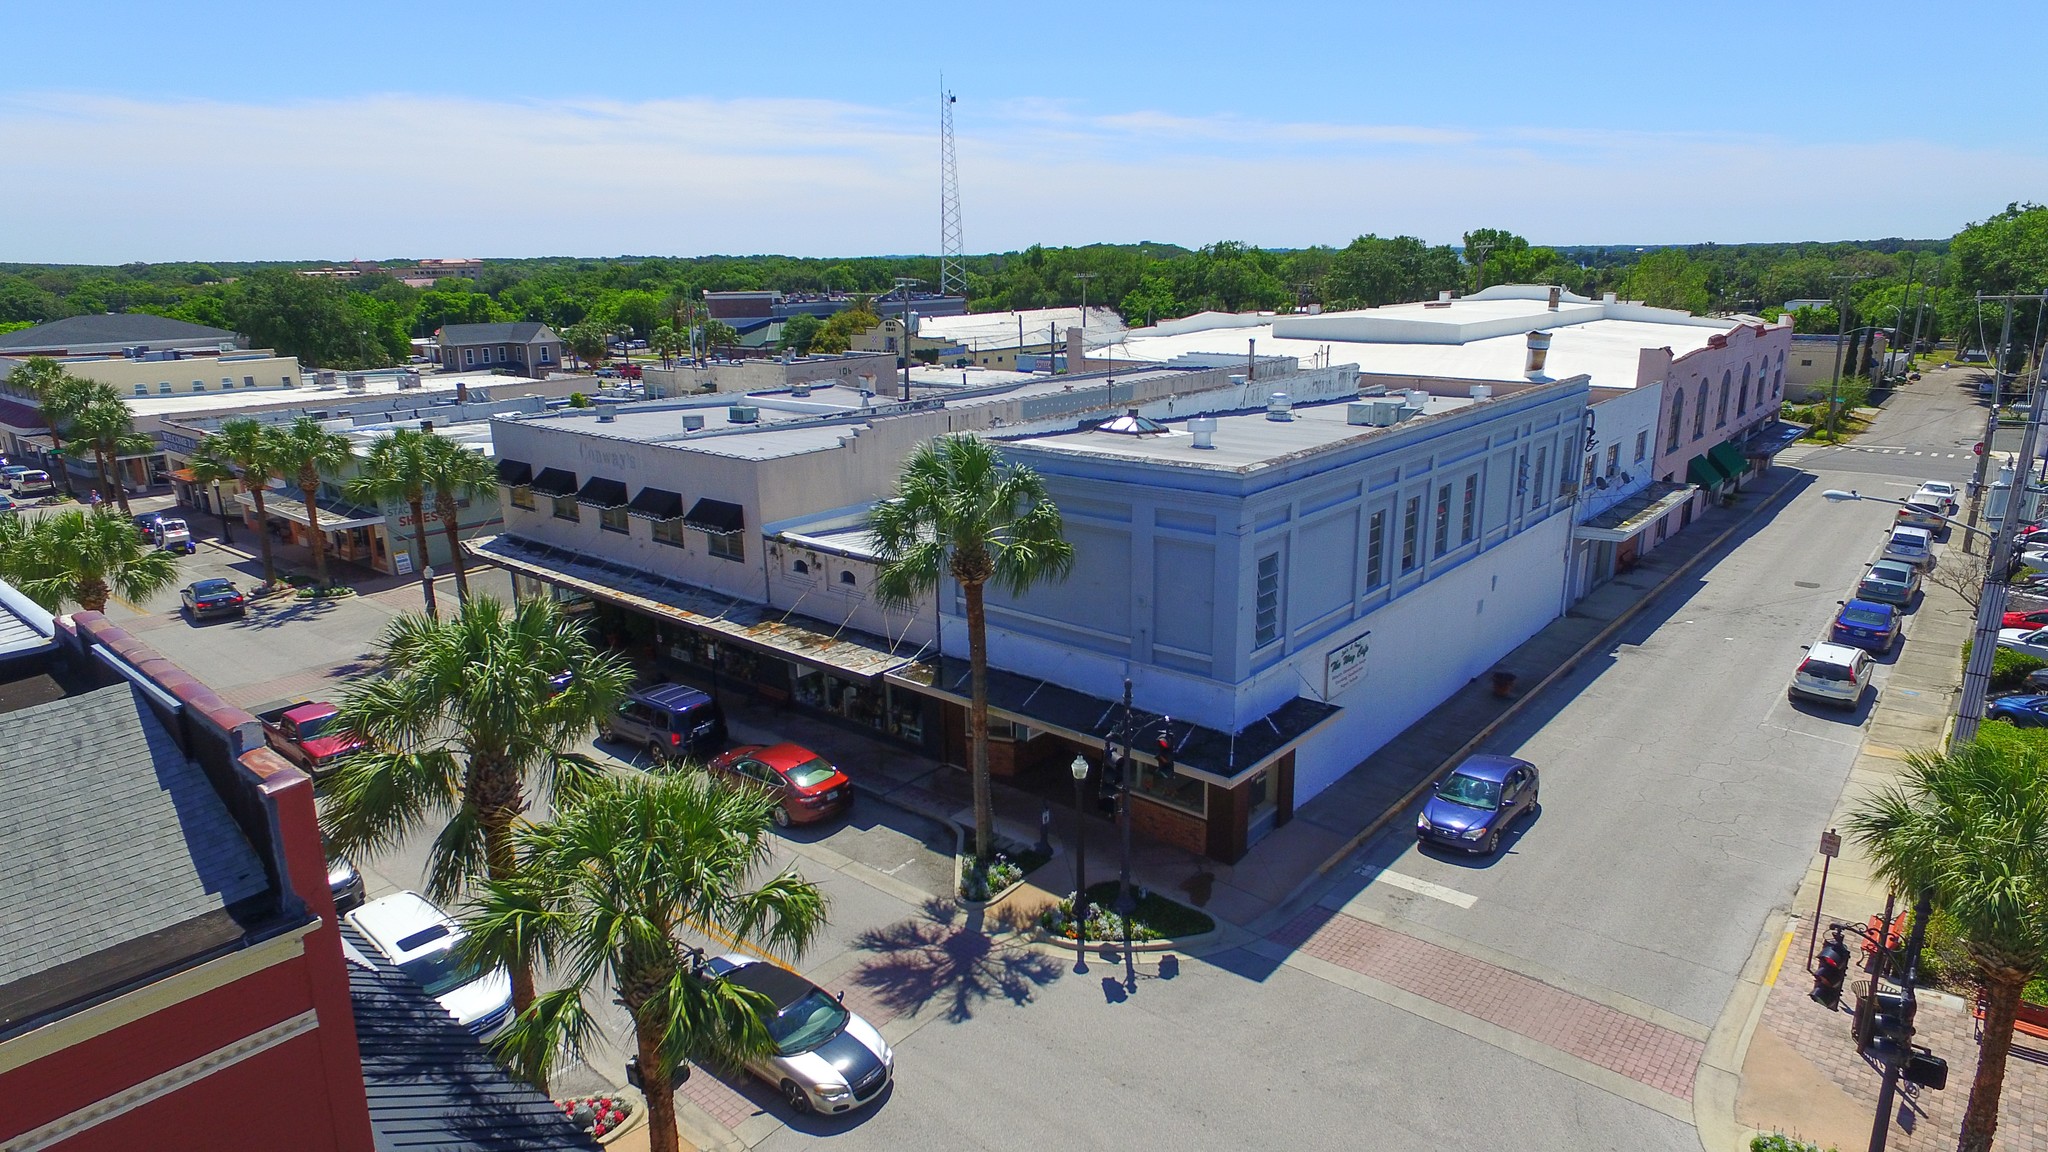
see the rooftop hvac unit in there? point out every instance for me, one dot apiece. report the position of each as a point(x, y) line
point(693, 422)
point(1377, 413)
point(605, 415)
point(357, 382)
point(742, 414)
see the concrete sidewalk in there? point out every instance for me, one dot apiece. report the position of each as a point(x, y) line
point(1277, 872)
point(1800, 1072)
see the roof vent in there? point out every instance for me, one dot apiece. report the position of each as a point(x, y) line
point(357, 382)
point(693, 422)
point(800, 390)
point(1279, 406)
point(1132, 424)
point(742, 414)
point(1204, 430)
point(1444, 294)
point(605, 415)
point(1482, 391)
point(1554, 290)
point(1539, 351)
point(1417, 398)
point(1607, 297)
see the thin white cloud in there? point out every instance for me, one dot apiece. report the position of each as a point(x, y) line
point(102, 179)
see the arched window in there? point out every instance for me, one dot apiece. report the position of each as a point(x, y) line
point(1677, 416)
point(1778, 382)
point(846, 578)
point(1699, 413)
point(1742, 398)
point(1721, 412)
point(800, 568)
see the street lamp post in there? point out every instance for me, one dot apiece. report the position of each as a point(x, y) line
point(1125, 902)
point(227, 535)
point(1079, 768)
point(903, 285)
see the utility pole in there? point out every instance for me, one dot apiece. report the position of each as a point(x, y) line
point(903, 285)
point(1835, 386)
point(1482, 247)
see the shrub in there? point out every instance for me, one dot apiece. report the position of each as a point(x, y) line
point(1155, 917)
point(2009, 669)
point(578, 400)
point(1779, 1142)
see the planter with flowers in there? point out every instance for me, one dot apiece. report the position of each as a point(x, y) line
point(608, 1115)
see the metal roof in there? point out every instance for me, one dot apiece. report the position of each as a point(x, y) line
point(431, 1085)
point(110, 328)
point(513, 332)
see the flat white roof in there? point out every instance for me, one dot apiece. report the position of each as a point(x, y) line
point(988, 330)
point(1244, 442)
point(218, 400)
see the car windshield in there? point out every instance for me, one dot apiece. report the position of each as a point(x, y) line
point(1821, 670)
point(440, 971)
point(1891, 570)
point(311, 728)
point(1866, 617)
point(816, 770)
point(1470, 791)
point(214, 588)
point(807, 1023)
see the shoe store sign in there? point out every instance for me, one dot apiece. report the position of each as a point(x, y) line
point(1345, 665)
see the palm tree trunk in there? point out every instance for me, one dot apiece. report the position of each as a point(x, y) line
point(450, 515)
point(2001, 1008)
point(92, 597)
point(659, 1085)
point(493, 790)
point(99, 467)
point(417, 505)
point(977, 720)
point(309, 487)
point(263, 537)
point(120, 484)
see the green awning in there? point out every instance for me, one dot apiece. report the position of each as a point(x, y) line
point(1730, 458)
point(1702, 470)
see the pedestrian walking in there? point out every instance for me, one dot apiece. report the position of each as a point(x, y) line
point(94, 499)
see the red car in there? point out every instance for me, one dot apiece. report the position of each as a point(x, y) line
point(2032, 618)
point(805, 786)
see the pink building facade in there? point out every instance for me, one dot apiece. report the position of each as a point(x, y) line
point(1717, 402)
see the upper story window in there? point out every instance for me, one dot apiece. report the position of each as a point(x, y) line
point(1699, 413)
point(800, 568)
point(1411, 527)
point(1376, 550)
point(522, 496)
point(1613, 459)
point(1266, 625)
point(1468, 517)
point(565, 508)
point(728, 546)
point(1721, 414)
point(614, 520)
point(847, 578)
point(1677, 417)
point(1538, 494)
point(1642, 445)
point(1443, 519)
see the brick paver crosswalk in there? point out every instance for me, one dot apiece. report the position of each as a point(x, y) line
point(1593, 1032)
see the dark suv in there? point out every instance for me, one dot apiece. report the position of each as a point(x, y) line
point(671, 721)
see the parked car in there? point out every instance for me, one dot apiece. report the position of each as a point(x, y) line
point(805, 786)
point(2031, 618)
point(1890, 582)
point(8, 504)
point(421, 940)
point(145, 526)
point(344, 883)
point(1832, 674)
point(1940, 493)
point(174, 535)
point(671, 721)
point(2027, 641)
point(1476, 802)
point(205, 599)
point(1920, 511)
point(826, 1059)
point(1915, 546)
point(299, 733)
point(34, 482)
point(2020, 711)
point(1942, 488)
point(1867, 624)
point(9, 472)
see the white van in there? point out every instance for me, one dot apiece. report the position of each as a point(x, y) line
point(1832, 674)
point(34, 482)
point(1915, 546)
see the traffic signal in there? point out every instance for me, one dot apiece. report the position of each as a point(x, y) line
point(1891, 1027)
point(1926, 1069)
point(1163, 753)
point(1832, 966)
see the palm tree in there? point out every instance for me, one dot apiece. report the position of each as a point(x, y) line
point(59, 395)
point(1971, 825)
point(457, 473)
point(250, 446)
point(305, 448)
point(210, 469)
point(467, 721)
point(606, 896)
point(81, 556)
point(960, 511)
point(394, 471)
point(103, 427)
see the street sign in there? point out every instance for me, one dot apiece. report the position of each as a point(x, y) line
point(1978, 448)
point(1830, 844)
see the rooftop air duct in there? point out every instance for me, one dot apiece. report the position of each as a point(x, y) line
point(1203, 428)
point(1539, 351)
point(1279, 406)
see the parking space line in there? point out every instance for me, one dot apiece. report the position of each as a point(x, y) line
point(1419, 887)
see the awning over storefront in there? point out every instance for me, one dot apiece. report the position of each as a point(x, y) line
point(1630, 517)
point(656, 504)
point(515, 473)
point(599, 492)
point(1729, 458)
point(185, 475)
point(1215, 756)
point(716, 517)
point(555, 482)
point(334, 515)
point(843, 651)
point(1702, 471)
point(1774, 438)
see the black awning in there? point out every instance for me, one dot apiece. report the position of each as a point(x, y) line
point(716, 517)
point(599, 492)
point(656, 504)
point(555, 482)
point(515, 473)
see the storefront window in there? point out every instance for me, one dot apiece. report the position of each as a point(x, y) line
point(906, 714)
point(1178, 791)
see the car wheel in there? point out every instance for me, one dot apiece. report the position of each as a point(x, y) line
point(656, 754)
point(799, 1100)
point(780, 815)
point(1535, 802)
point(607, 735)
point(1492, 842)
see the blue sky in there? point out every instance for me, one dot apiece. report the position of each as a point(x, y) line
point(246, 131)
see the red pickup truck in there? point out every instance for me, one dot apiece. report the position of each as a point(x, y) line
point(296, 732)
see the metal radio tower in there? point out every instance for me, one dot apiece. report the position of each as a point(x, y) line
point(952, 272)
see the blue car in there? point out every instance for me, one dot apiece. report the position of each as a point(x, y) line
point(1476, 802)
point(2020, 711)
point(1868, 625)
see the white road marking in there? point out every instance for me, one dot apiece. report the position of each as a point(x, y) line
point(1419, 887)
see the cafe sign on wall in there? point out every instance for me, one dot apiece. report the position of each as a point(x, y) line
point(1345, 665)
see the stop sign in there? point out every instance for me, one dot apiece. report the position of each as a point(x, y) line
point(1978, 448)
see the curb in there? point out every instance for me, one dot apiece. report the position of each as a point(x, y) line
point(1598, 639)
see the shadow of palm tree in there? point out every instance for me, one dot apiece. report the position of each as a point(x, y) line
point(944, 955)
